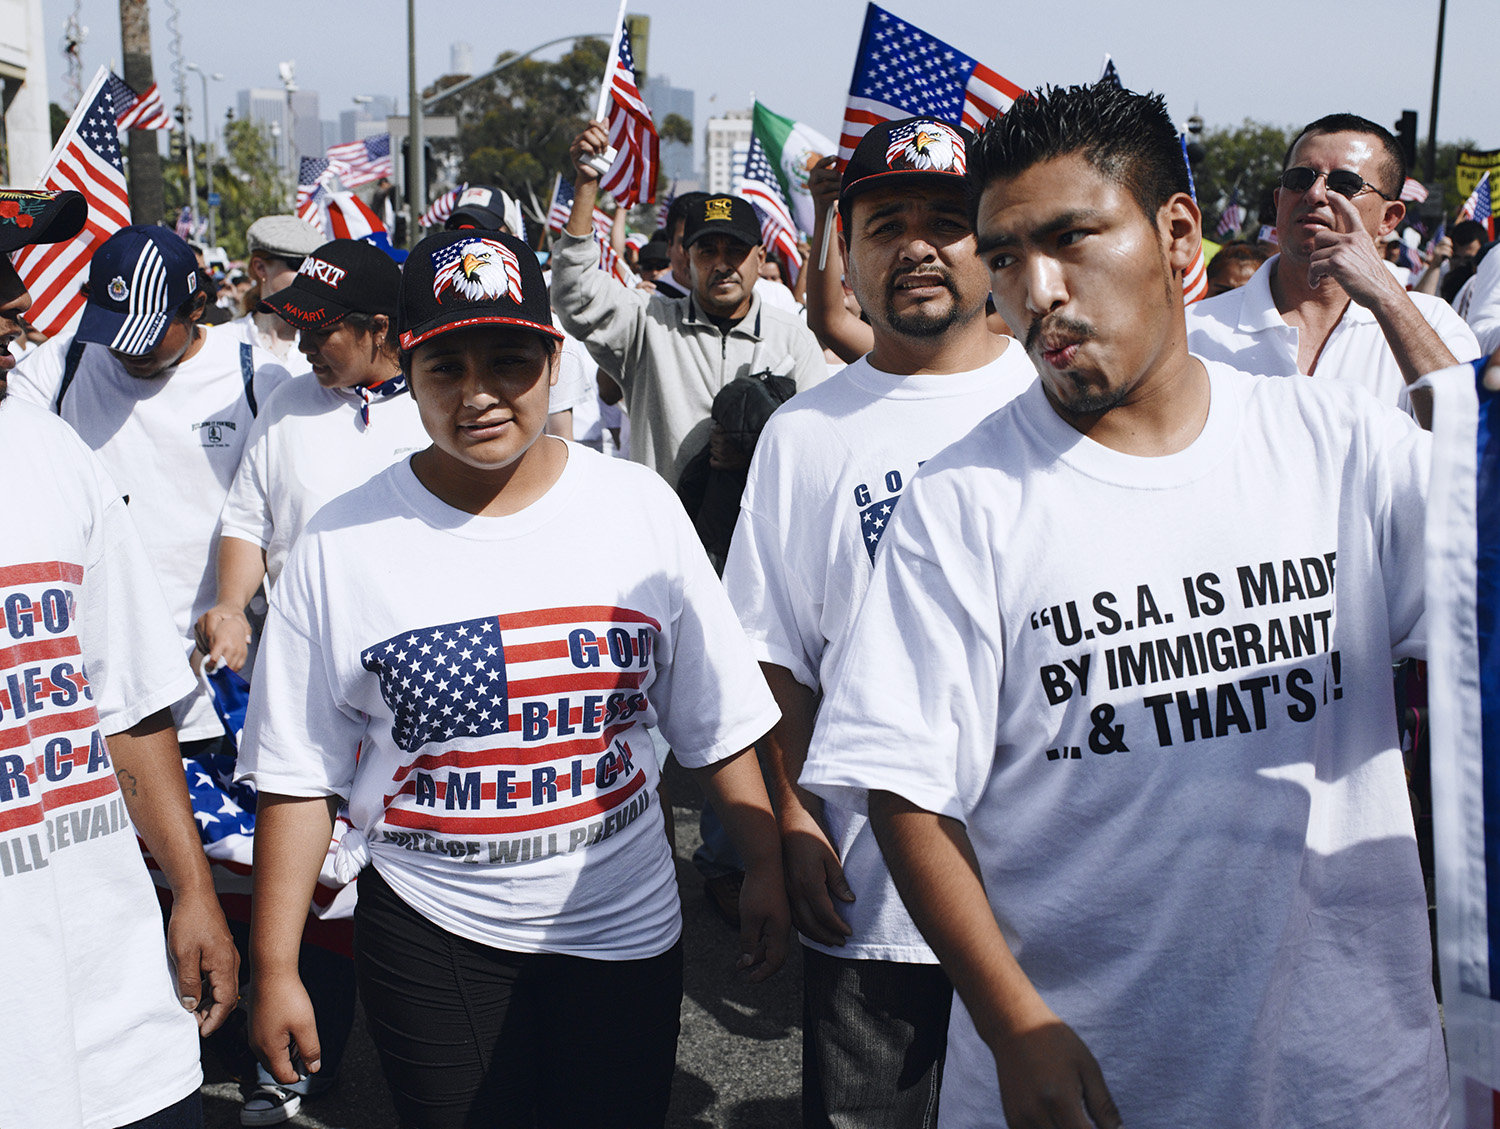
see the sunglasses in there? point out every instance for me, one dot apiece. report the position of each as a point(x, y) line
point(1345, 183)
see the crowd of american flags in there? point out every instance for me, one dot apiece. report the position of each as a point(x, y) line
point(899, 71)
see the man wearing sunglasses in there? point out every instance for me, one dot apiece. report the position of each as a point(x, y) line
point(1327, 305)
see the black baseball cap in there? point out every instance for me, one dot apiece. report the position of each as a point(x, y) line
point(485, 208)
point(340, 278)
point(654, 255)
point(38, 215)
point(456, 279)
point(723, 214)
point(909, 151)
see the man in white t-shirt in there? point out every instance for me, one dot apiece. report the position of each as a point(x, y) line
point(99, 1032)
point(826, 477)
point(1119, 696)
point(1328, 304)
point(167, 405)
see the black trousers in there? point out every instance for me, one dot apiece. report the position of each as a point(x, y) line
point(473, 1037)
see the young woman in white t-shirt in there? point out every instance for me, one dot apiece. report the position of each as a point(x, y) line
point(469, 648)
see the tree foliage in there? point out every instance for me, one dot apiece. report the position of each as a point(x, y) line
point(675, 127)
point(246, 178)
point(1246, 158)
point(515, 129)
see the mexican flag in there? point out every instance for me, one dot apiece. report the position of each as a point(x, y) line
point(793, 148)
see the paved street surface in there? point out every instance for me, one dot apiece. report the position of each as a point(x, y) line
point(738, 1059)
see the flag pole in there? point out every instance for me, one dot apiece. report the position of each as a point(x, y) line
point(78, 114)
point(609, 64)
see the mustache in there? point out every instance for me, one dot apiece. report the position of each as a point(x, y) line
point(1056, 323)
point(937, 274)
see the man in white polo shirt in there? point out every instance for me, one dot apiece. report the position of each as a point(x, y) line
point(167, 405)
point(1328, 305)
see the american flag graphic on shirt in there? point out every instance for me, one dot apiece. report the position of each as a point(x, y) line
point(874, 520)
point(57, 785)
point(517, 722)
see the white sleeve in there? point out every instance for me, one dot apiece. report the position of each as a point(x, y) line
point(298, 741)
point(247, 507)
point(710, 697)
point(1461, 340)
point(38, 375)
point(915, 706)
point(1484, 305)
point(270, 374)
point(778, 613)
point(575, 386)
point(1399, 483)
point(132, 653)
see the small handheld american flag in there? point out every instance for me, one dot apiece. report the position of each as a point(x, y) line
point(901, 72)
point(138, 111)
point(631, 180)
point(362, 162)
point(756, 181)
point(86, 159)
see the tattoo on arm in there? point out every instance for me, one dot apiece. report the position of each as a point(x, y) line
point(127, 781)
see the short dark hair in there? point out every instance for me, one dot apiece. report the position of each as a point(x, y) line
point(677, 210)
point(1127, 137)
point(1240, 251)
point(1467, 231)
point(1394, 165)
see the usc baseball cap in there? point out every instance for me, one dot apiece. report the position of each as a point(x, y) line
point(723, 214)
point(456, 279)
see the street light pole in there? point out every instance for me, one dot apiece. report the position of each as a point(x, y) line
point(1437, 81)
point(416, 190)
point(208, 149)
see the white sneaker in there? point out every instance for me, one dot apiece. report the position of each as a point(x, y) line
point(270, 1105)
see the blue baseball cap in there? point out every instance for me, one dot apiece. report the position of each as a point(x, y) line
point(138, 278)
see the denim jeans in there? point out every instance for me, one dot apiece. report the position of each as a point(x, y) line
point(472, 1036)
point(874, 1033)
point(186, 1114)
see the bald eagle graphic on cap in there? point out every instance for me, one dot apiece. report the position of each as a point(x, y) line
point(925, 146)
point(477, 269)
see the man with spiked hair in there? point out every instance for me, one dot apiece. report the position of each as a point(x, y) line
point(1118, 700)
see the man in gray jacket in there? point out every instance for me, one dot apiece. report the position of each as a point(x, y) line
point(673, 355)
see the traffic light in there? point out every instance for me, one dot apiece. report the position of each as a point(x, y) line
point(1406, 135)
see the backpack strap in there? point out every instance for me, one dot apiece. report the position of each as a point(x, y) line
point(247, 370)
point(70, 370)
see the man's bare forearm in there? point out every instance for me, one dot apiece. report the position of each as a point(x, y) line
point(148, 766)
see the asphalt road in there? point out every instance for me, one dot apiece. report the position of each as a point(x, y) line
point(739, 1057)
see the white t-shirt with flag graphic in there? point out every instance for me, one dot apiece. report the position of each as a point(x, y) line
point(827, 475)
point(1157, 693)
point(172, 444)
point(93, 1035)
point(496, 677)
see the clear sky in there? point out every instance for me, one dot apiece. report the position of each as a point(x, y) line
point(1283, 61)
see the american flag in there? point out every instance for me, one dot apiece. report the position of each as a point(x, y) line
point(314, 177)
point(138, 111)
point(341, 215)
point(87, 160)
point(1233, 217)
point(756, 181)
point(902, 72)
point(1442, 230)
point(442, 207)
point(486, 709)
point(664, 205)
point(362, 162)
point(631, 180)
point(562, 204)
point(185, 226)
point(874, 520)
point(1476, 207)
point(454, 266)
point(1195, 280)
point(1414, 190)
